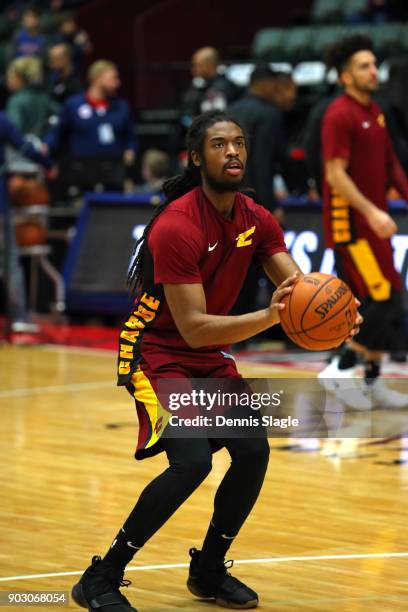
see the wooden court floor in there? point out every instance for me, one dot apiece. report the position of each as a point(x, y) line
point(329, 532)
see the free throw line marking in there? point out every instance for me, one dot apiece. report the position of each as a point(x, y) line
point(239, 562)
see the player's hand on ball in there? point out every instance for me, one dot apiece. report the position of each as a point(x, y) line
point(382, 223)
point(358, 322)
point(276, 304)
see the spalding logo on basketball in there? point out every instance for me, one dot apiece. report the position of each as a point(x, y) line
point(320, 312)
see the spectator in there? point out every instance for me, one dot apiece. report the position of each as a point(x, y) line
point(16, 302)
point(376, 12)
point(292, 165)
point(156, 168)
point(63, 81)
point(9, 22)
point(28, 106)
point(258, 111)
point(285, 93)
point(97, 130)
point(29, 40)
point(77, 39)
point(209, 90)
point(312, 141)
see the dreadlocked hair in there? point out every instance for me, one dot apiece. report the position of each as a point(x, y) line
point(176, 186)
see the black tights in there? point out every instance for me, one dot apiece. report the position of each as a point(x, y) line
point(190, 463)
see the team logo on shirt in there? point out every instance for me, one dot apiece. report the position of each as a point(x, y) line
point(243, 239)
point(381, 120)
point(85, 111)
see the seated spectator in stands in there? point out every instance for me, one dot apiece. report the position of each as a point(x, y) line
point(97, 131)
point(156, 168)
point(9, 22)
point(28, 106)
point(375, 11)
point(77, 39)
point(29, 40)
point(63, 81)
point(380, 11)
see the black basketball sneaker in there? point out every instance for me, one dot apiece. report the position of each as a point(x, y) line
point(98, 589)
point(216, 583)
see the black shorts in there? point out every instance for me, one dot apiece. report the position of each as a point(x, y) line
point(383, 327)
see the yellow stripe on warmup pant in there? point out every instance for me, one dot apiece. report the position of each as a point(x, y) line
point(364, 259)
point(144, 393)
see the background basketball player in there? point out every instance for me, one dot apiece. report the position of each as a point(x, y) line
point(360, 165)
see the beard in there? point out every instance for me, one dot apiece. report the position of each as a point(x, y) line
point(220, 186)
point(367, 88)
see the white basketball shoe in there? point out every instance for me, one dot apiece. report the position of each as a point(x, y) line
point(349, 388)
point(383, 396)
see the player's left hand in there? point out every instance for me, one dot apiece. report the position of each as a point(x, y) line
point(359, 319)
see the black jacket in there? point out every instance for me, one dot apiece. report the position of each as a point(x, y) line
point(263, 123)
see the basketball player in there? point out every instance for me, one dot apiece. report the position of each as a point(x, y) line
point(190, 267)
point(360, 165)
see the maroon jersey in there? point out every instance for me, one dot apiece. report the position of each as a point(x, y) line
point(191, 242)
point(357, 133)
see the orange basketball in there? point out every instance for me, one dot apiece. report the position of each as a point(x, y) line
point(30, 234)
point(319, 313)
point(27, 192)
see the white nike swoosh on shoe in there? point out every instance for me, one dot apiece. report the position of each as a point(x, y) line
point(211, 248)
point(131, 546)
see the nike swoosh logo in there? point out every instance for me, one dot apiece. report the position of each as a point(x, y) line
point(131, 545)
point(211, 248)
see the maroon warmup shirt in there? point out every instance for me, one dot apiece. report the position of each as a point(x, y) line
point(191, 242)
point(357, 133)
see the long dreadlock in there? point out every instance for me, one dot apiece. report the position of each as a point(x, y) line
point(176, 187)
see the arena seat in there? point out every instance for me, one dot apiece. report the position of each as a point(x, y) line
point(389, 39)
point(323, 36)
point(327, 11)
point(310, 43)
point(268, 43)
point(298, 43)
point(353, 8)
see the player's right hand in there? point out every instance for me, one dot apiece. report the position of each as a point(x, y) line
point(280, 292)
point(381, 223)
